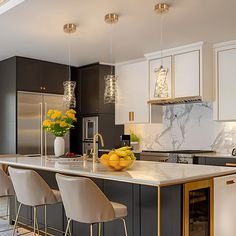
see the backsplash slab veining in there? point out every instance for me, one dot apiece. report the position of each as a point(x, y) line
point(186, 126)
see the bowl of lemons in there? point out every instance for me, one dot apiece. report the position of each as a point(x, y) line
point(118, 159)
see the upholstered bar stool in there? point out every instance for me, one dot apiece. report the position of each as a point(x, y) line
point(32, 190)
point(6, 190)
point(84, 202)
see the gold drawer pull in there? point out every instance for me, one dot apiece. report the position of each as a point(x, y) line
point(230, 164)
point(230, 182)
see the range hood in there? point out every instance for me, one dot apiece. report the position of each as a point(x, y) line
point(179, 100)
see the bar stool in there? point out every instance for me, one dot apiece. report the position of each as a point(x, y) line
point(32, 190)
point(84, 202)
point(6, 189)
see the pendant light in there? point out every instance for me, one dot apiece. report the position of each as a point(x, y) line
point(110, 93)
point(69, 99)
point(161, 87)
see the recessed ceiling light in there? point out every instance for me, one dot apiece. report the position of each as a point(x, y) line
point(6, 5)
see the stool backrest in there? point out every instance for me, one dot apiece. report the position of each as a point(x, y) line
point(6, 187)
point(83, 200)
point(30, 187)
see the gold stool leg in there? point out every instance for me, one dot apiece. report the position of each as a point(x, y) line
point(16, 220)
point(125, 227)
point(99, 229)
point(45, 220)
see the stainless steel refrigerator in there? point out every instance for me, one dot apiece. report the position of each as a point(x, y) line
point(31, 111)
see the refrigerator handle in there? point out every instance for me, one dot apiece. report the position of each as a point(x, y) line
point(41, 128)
point(45, 133)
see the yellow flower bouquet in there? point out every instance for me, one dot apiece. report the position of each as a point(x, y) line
point(58, 123)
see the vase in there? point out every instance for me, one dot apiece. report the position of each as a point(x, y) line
point(59, 146)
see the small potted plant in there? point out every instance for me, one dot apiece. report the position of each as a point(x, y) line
point(134, 141)
point(59, 123)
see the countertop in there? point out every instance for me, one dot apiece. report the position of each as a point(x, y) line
point(142, 172)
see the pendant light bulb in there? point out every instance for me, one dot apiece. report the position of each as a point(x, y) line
point(69, 100)
point(110, 93)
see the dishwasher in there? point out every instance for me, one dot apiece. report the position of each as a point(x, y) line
point(224, 206)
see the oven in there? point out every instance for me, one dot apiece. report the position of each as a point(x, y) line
point(90, 128)
point(177, 156)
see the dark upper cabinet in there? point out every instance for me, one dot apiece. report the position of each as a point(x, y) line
point(53, 76)
point(28, 75)
point(40, 76)
point(92, 89)
point(89, 79)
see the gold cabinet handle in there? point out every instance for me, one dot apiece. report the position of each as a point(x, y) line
point(129, 116)
point(230, 164)
point(133, 116)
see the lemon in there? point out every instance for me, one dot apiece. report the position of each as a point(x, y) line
point(104, 159)
point(114, 160)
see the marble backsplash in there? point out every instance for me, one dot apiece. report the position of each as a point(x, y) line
point(186, 126)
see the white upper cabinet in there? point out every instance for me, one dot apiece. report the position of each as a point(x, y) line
point(225, 81)
point(189, 71)
point(133, 93)
point(187, 74)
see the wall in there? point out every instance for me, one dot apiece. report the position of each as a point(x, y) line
point(186, 126)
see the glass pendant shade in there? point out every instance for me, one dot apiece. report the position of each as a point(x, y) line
point(69, 99)
point(161, 87)
point(110, 94)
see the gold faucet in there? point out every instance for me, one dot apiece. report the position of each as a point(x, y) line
point(94, 146)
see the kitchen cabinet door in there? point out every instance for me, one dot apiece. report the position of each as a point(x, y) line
point(29, 75)
point(131, 106)
point(154, 65)
point(187, 74)
point(224, 205)
point(89, 79)
point(226, 84)
point(53, 76)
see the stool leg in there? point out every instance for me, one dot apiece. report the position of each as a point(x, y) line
point(99, 229)
point(91, 229)
point(125, 228)
point(45, 220)
point(16, 220)
point(16, 210)
point(68, 227)
point(35, 221)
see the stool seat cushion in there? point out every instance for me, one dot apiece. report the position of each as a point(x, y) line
point(120, 210)
point(57, 195)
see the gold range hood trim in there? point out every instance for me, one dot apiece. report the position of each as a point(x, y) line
point(180, 100)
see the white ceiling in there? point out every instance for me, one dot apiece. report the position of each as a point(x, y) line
point(34, 28)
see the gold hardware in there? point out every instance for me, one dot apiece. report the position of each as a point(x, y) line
point(230, 182)
point(230, 164)
point(132, 116)
point(69, 28)
point(129, 116)
point(111, 18)
point(162, 8)
point(179, 100)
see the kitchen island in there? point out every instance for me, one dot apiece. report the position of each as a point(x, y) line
point(153, 192)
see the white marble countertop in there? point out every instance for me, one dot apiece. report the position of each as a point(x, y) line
point(142, 172)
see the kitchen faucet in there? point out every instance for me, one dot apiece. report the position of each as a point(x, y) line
point(94, 146)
